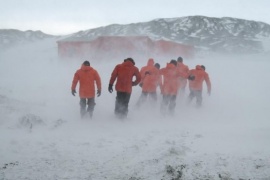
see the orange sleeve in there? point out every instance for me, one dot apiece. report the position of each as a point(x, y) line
point(75, 81)
point(98, 80)
point(137, 75)
point(208, 82)
point(114, 75)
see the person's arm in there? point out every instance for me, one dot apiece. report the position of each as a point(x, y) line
point(208, 83)
point(138, 77)
point(98, 83)
point(74, 83)
point(114, 75)
point(112, 79)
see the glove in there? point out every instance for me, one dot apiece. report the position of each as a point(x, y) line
point(191, 77)
point(147, 72)
point(110, 89)
point(141, 84)
point(73, 92)
point(98, 93)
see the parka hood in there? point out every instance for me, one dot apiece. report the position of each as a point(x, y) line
point(198, 67)
point(150, 62)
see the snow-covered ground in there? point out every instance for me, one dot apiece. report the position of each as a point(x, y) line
point(42, 136)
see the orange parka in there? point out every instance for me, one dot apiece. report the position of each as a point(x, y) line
point(183, 69)
point(200, 76)
point(170, 78)
point(150, 77)
point(124, 73)
point(87, 77)
point(150, 64)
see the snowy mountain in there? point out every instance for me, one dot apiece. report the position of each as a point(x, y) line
point(215, 34)
point(11, 37)
point(205, 33)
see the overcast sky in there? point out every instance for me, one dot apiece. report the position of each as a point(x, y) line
point(60, 17)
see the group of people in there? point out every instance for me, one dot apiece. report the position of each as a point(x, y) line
point(171, 79)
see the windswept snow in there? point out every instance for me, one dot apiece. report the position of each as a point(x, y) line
point(43, 137)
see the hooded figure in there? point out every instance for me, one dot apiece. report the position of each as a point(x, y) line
point(150, 81)
point(124, 74)
point(87, 77)
point(170, 76)
point(183, 69)
point(196, 85)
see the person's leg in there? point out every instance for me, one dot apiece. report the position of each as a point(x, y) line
point(121, 104)
point(118, 103)
point(172, 104)
point(91, 105)
point(164, 104)
point(125, 104)
point(153, 96)
point(83, 106)
point(142, 99)
point(191, 95)
point(184, 84)
point(198, 95)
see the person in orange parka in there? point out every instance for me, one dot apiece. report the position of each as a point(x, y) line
point(150, 81)
point(198, 75)
point(170, 76)
point(87, 77)
point(124, 74)
point(183, 69)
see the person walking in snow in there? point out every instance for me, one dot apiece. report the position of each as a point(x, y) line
point(170, 78)
point(124, 74)
point(150, 81)
point(87, 78)
point(183, 69)
point(196, 84)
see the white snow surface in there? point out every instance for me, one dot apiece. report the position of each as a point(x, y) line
point(43, 137)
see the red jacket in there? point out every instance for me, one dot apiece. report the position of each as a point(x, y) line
point(171, 77)
point(183, 69)
point(200, 76)
point(152, 79)
point(124, 73)
point(87, 77)
point(150, 64)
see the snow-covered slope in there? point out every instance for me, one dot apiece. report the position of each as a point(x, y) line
point(215, 34)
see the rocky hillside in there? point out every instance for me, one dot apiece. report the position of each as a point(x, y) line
point(12, 37)
point(215, 34)
point(229, 35)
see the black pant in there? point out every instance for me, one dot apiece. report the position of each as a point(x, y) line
point(197, 94)
point(168, 104)
point(90, 108)
point(121, 104)
point(143, 97)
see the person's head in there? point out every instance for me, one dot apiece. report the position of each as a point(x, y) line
point(157, 65)
point(180, 59)
point(203, 67)
point(174, 62)
point(86, 63)
point(131, 60)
